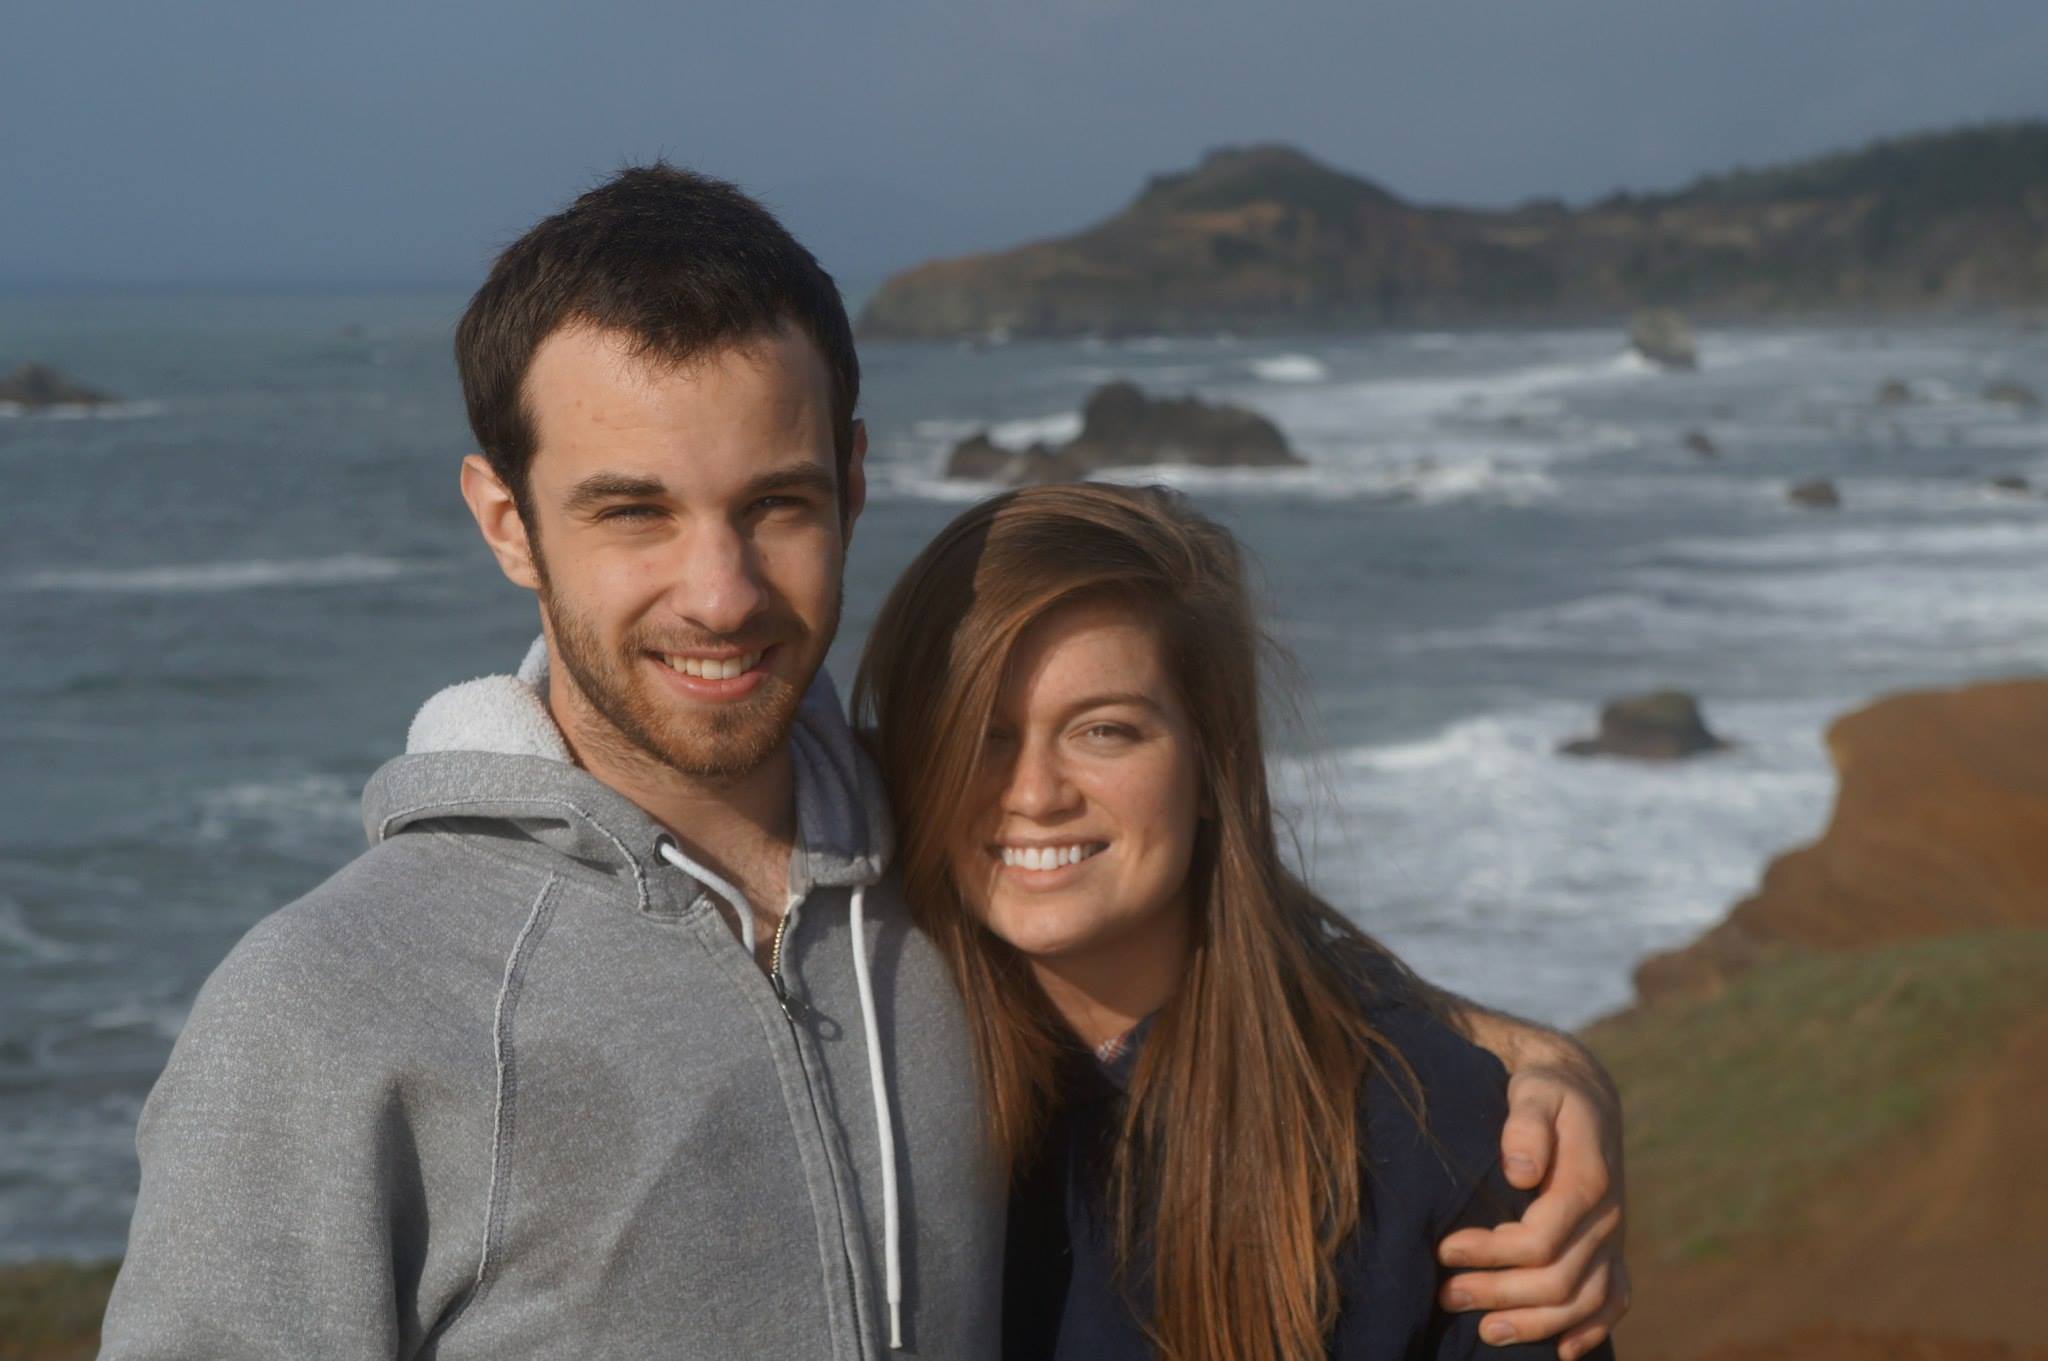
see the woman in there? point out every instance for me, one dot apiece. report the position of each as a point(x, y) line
point(1237, 1128)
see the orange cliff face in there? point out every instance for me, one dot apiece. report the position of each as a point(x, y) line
point(1837, 1098)
point(1940, 825)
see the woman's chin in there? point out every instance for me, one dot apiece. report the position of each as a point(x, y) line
point(1044, 942)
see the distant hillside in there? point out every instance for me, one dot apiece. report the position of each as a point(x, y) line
point(1265, 238)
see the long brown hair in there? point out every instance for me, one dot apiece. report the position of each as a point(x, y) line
point(1241, 1137)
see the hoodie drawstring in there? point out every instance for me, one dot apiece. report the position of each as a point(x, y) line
point(885, 1130)
point(878, 1080)
point(743, 909)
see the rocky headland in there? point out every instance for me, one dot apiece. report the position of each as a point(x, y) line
point(1121, 427)
point(1268, 239)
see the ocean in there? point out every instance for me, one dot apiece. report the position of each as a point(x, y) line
point(221, 600)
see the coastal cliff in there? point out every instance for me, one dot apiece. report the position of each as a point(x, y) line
point(1266, 238)
point(1837, 1097)
point(1940, 825)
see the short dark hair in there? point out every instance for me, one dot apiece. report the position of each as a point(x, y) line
point(683, 263)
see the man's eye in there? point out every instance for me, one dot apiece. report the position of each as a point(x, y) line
point(631, 513)
point(772, 504)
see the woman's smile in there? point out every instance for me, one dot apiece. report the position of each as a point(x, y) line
point(1040, 862)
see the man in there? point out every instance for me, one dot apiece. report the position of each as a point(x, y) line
point(618, 1041)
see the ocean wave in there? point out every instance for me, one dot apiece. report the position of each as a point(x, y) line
point(19, 938)
point(254, 574)
point(1841, 544)
point(1056, 428)
point(1535, 880)
point(1987, 612)
point(84, 411)
point(1291, 368)
point(293, 811)
point(1422, 482)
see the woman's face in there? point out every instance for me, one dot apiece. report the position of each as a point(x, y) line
point(1089, 792)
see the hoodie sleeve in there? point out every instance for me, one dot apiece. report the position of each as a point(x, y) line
point(276, 1209)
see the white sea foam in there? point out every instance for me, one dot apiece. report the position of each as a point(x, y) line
point(1291, 368)
point(163, 1019)
point(1057, 428)
point(254, 574)
point(1862, 598)
point(18, 938)
point(1535, 880)
point(84, 411)
point(292, 810)
point(1842, 544)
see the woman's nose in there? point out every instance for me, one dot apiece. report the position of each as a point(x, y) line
point(1038, 786)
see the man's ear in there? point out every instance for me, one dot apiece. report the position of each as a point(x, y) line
point(497, 517)
point(856, 497)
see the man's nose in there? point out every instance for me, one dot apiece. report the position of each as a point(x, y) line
point(718, 585)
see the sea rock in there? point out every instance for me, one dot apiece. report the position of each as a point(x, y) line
point(1661, 336)
point(1662, 725)
point(1701, 443)
point(1120, 428)
point(2011, 392)
point(2011, 482)
point(1940, 825)
point(1819, 494)
point(39, 385)
point(1894, 392)
point(980, 459)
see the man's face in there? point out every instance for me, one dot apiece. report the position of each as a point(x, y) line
point(687, 542)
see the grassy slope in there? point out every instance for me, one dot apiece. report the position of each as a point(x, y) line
point(1743, 1105)
point(50, 1311)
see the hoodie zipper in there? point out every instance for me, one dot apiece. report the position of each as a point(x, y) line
point(783, 997)
point(782, 992)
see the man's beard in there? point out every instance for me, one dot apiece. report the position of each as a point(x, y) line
point(720, 743)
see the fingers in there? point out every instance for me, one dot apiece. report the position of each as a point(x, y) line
point(1590, 1334)
point(1528, 1141)
point(1539, 1238)
point(1532, 1324)
point(1551, 1284)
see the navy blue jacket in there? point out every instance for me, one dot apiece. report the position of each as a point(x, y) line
point(1061, 1301)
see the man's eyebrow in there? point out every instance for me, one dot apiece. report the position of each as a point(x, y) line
point(599, 488)
point(796, 477)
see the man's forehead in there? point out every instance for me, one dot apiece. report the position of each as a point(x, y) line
point(582, 350)
point(596, 403)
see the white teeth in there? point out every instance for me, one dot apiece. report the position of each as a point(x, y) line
point(1046, 857)
point(712, 668)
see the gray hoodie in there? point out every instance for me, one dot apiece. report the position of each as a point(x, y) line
point(508, 1086)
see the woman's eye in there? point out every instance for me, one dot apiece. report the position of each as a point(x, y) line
point(1108, 732)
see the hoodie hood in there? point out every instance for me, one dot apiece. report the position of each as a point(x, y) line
point(488, 749)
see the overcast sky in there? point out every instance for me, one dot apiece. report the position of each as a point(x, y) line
point(263, 141)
